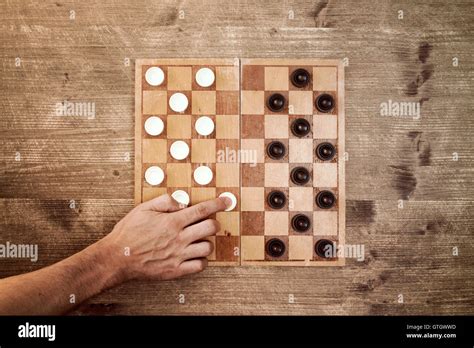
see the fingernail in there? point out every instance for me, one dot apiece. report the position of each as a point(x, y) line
point(227, 201)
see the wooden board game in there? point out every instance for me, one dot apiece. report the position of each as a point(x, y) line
point(285, 120)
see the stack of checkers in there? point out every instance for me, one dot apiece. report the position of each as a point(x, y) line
point(270, 140)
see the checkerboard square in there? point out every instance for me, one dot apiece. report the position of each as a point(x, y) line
point(227, 175)
point(253, 77)
point(276, 126)
point(179, 126)
point(277, 174)
point(203, 151)
point(276, 78)
point(324, 223)
point(300, 248)
point(252, 199)
point(251, 151)
point(325, 174)
point(276, 223)
point(253, 102)
point(267, 95)
point(179, 78)
point(202, 194)
point(227, 78)
point(325, 127)
point(252, 223)
point(178, 174)
point(300, 102)
point(152, 192)
point(225, 248)
point(227, 126)
point(204, 102)
point(283, 257)
point(227, 102)
point(325, 78)
point(155, 102)
point(154, 151)
point(253, 175)
point(301, 150)
point(252, 248)
point(291, 122)
point(284, 159)
point(230, 223)
point(301, 199)
point(227, 150)
point(253, 127)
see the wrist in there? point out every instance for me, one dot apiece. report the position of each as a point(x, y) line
point(106, 258)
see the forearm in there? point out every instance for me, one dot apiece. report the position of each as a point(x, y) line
point(58, 288)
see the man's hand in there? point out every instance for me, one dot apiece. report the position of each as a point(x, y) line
point(160, 240)
point(156, 240)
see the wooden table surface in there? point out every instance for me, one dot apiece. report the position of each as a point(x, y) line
point(65, 181)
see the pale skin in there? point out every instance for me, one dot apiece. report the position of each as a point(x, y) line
point(164, 240)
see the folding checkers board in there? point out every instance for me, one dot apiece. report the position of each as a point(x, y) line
point(256, 232)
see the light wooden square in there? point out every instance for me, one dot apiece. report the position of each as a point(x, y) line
point(325, 223)
point(276, 223)
point(179, 126)
point(227, 126)
point(227, 174)
point(276, 78)
point(253, 102)
point(203, 151)
point(325, 174)
point(179, 78)
point(155, 102)
point(325, 78)
point(300, 248)
point(252, 248)
point(301, 199)
point(230, 223)
point(152, 192)
point(300, 102)
point(154, 151)
point(277, 174)
point(227, 78)
point(252, 199)
point(252, 150)
point(276, 126)
point(325, 127)
point(204, 102)
point(202, 194)
point(301, 150)
point(178, 174)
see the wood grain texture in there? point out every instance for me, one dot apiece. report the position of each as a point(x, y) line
point(408, 251)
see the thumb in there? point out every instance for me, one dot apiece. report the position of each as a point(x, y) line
point(163, 204)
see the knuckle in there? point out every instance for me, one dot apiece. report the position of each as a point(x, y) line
point(203, 210)
point(202, 264)
point(167, 198)
point(211, 226)
point(216, 226)
point(209, 248)
point(181, 238)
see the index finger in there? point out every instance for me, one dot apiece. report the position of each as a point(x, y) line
point(201, 211)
